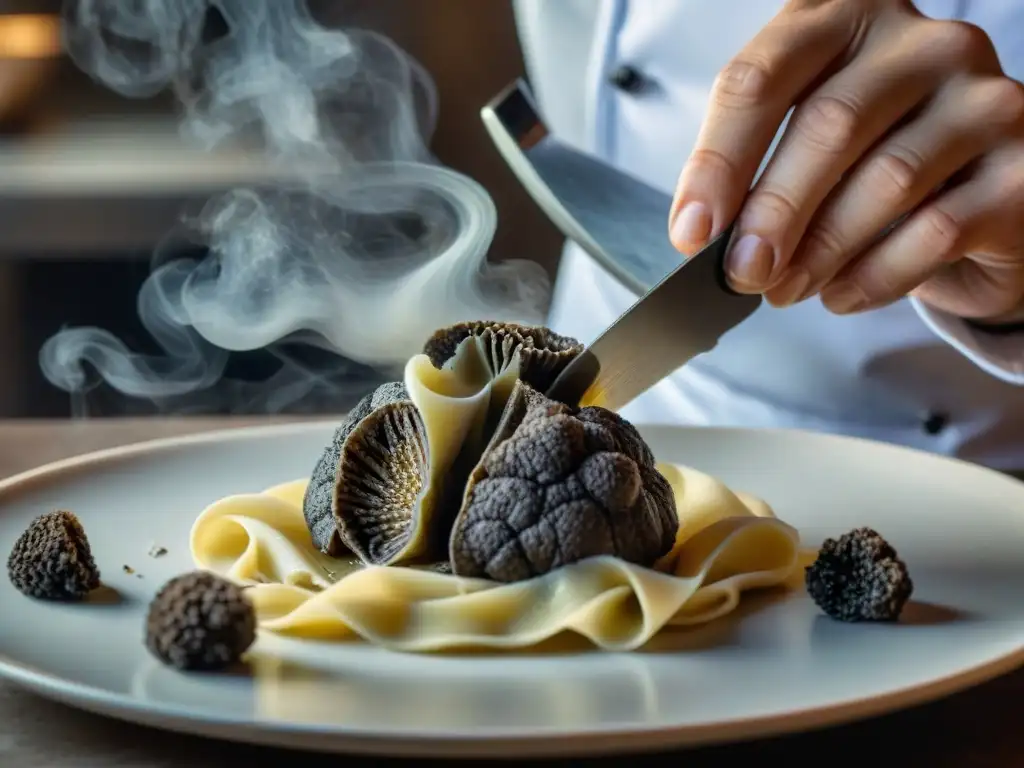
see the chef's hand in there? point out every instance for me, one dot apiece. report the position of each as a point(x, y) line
point(895, 114)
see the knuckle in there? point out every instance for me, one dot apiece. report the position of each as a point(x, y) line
point(894, 174)
point(879, 285)
point(743, 82)
point(961, 40)
point(1005, 183)
point(824, 243)
point(711, 162)
point(827, 123)
point(1000, 101)
point(1012, 181)
point(773, 205)
point(940, 231)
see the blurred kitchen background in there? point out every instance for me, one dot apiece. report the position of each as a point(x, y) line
point(91, 182)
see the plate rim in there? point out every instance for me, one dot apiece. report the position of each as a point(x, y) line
point(527, 742)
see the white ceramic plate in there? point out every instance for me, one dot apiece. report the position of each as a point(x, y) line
point(777, 666)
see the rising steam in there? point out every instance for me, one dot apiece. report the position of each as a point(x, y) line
point(359, 244)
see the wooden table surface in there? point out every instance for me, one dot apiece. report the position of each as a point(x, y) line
point(981, 727)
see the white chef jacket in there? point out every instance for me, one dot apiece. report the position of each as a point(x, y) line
point(902, 374)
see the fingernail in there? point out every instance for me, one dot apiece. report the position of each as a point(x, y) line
point(691, 227)
point(750, 262)
point(842, 298)
point(791, 289)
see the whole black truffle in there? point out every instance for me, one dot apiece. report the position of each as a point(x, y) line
point(557, 486)
point(317, 506)
point(859, 577)
point(200, 622)
point(52, 559)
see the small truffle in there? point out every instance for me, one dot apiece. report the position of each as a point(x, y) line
point(859, 577)
point(200, 622)
point(52, 559)
point(317, 504)
point(543, 354)
point(556, 486)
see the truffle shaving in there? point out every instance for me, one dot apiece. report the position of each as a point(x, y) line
point(399, 465)
point(317, 504)
point(382, 475)
point(534, 354)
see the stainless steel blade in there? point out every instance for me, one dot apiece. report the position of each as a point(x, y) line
point(621, 222)
point(681, 317)
point(618, 219)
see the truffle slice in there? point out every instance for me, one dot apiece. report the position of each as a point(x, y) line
point(200, 621)
point(400, 464)
point(556, 486)
point(382, 476)
point(52, 559)
point(534, 354)
point(859, 577)
point(317, 504)
point(398, 460)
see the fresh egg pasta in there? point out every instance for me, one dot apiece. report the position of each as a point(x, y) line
point(727, 543)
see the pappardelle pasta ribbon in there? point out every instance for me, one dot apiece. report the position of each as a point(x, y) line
point(727, 543)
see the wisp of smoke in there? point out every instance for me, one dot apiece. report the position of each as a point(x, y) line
point(361, 245)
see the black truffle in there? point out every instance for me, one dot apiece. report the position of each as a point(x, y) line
point(52, 559)
point(543, 354)
point(559, 487)
point(381, 473)
point(317, 506)
point(859, 577)
point(200, 622)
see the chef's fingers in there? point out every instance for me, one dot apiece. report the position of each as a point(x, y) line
point(967, 118)
point(896, 70)
point(748, 103)
point(976, 221)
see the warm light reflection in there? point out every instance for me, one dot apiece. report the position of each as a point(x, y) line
point(29, 36)
point(595, 396)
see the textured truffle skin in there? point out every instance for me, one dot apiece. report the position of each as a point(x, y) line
point(859, 577)
point(200, 622)
point(543, 354)
point(563, 487)
point(52, 559)
point(317, 504)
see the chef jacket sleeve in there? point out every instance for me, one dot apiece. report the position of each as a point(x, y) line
point(1001, 355)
